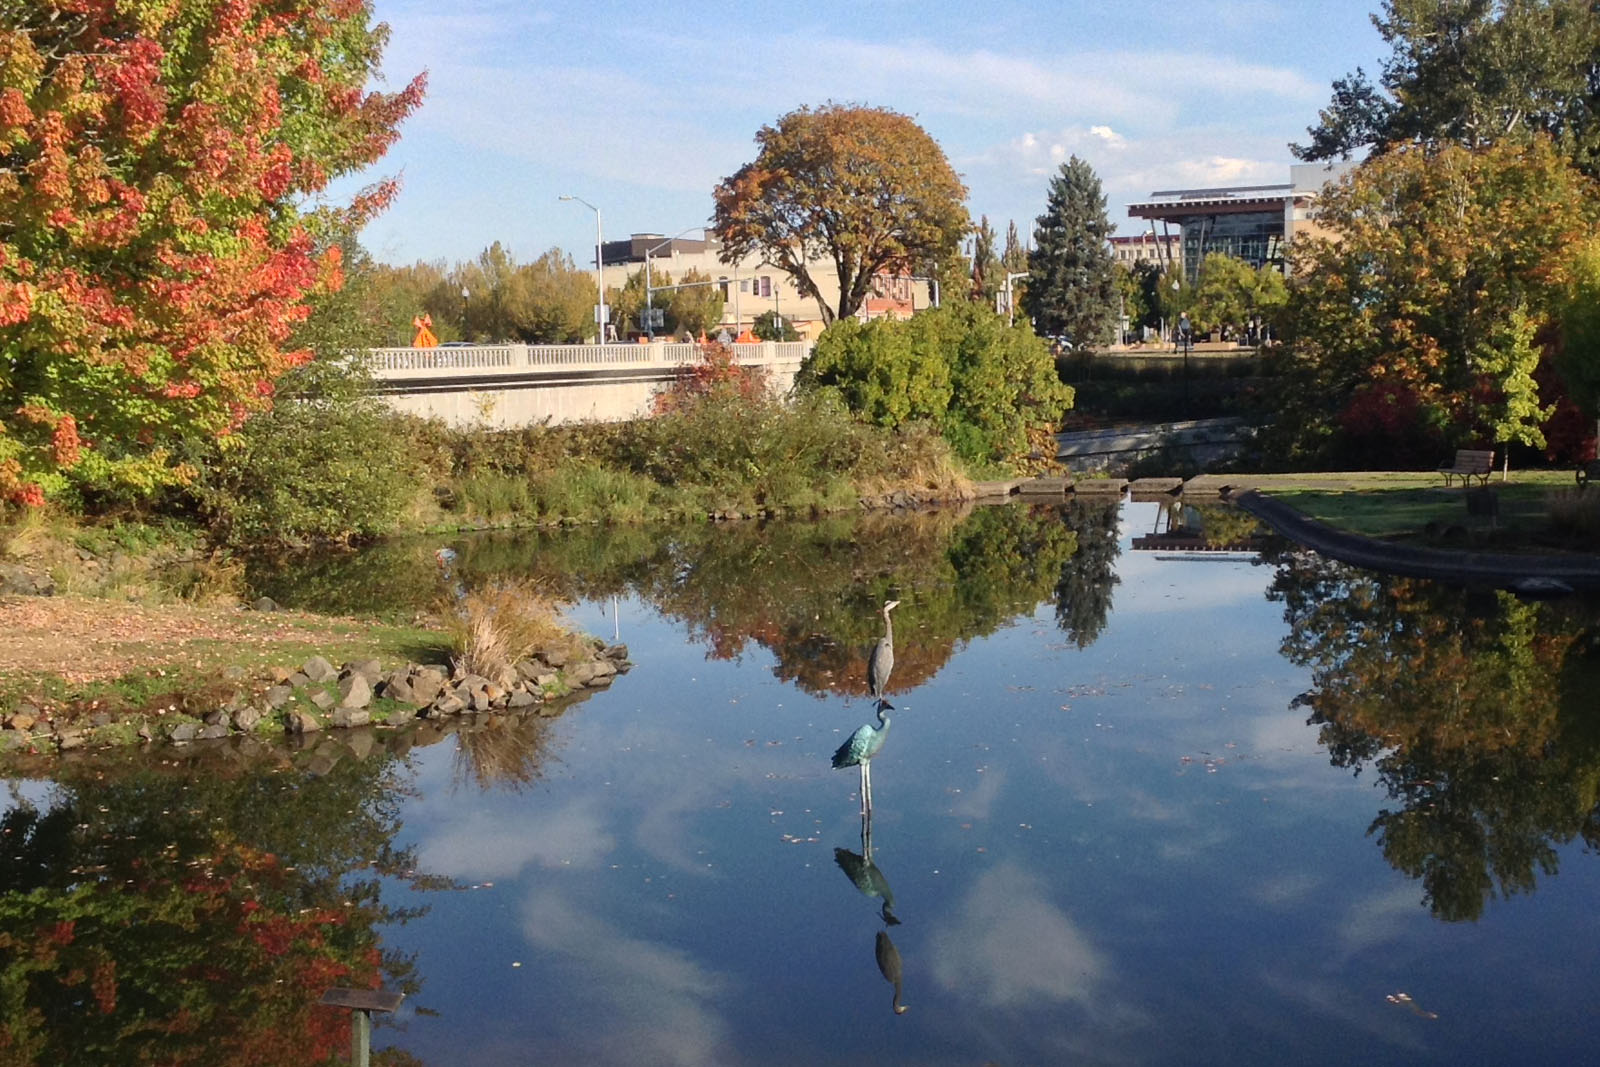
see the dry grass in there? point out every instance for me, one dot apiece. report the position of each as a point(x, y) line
point(494, 627)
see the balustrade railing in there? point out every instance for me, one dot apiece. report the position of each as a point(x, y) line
point(535, 357)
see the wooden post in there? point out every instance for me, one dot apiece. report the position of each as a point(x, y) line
point(362, 1003)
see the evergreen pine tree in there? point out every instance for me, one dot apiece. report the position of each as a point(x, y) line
point(1071, 289)
point(987, 273)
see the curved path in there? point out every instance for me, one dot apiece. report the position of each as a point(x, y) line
point(1523, 573)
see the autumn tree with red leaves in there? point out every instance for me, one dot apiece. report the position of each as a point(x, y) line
point(155, 255)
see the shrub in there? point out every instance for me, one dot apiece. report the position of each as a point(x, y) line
point(986, 384)
point(311, 470)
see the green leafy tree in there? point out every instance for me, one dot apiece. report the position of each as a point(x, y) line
point(770, 326)
point(697, 308)
point(1071, 286)
point(1421, 313)
point(404, 293)
point(627, 303)
point(1231, 293)
point(1131, 295)
point(560, 300)
point(1578, 353)
point(1014, 260)
point(863, 189)
point(1473, 73)
point(988, 273)
point(497, 303)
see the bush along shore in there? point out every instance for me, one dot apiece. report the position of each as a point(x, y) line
point(317, 696)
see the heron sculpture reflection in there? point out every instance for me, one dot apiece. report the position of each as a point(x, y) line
point(881, 661)
point(889, 967)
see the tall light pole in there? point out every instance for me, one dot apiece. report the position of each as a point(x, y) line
point(466, 294)
point(599, 266)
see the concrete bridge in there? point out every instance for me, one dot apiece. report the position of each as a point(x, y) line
point(507, 386)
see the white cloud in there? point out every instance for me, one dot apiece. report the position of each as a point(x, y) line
point(649, 1003)
point(480, 846)
point(1011, 946)
point(1110, 137)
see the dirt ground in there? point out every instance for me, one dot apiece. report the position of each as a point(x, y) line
point(87, 640)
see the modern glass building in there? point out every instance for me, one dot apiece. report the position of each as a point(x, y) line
point(1250, 222)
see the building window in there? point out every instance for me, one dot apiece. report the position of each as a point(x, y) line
point(766, 285)
point(744, 285)
point(722, 283)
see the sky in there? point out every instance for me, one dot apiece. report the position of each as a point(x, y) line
point(642, 108)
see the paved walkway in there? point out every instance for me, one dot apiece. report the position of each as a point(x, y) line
point(1530, 574)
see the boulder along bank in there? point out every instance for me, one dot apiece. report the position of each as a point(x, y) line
point(318, 696)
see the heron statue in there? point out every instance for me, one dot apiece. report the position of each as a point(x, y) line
point(859, 749)
point(881, 661)
point(889, 967)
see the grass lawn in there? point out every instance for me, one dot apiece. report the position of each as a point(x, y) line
point(1403, 505)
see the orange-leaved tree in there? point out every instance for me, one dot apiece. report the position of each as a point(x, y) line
point(862, 189)
point(155, 254)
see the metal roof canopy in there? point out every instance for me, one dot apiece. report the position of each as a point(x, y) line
point(1179, 203)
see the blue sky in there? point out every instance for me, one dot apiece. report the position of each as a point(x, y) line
point(642, 108)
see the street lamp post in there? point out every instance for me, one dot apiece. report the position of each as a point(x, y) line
point(466, 294)
point(599, 267)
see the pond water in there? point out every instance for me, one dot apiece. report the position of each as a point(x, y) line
point(1136, 805)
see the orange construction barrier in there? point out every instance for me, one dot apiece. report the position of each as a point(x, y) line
point(424, 337)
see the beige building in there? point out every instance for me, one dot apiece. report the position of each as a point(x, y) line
point(753, 286)
point(1147, 247)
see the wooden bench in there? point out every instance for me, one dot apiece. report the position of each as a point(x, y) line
point(1470, 463)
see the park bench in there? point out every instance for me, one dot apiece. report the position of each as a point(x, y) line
point(1470, 463)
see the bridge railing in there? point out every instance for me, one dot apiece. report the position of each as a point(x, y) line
point(450, 359)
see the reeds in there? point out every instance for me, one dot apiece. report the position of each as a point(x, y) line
point(494, 627)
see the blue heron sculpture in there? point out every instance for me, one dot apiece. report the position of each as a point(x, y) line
point(859, 749)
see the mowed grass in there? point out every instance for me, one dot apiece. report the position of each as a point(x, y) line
point(1402, 505)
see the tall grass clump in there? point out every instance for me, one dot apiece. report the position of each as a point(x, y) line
point(492, 628)
point(490, 494)
point(587, 490)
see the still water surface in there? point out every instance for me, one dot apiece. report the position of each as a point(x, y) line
point(1134, 807)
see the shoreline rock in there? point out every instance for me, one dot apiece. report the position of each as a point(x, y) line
point(318, 697)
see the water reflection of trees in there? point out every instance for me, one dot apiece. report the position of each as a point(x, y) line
point(1474, 710)
point(809, 592)
point(806, 591)
point(1083, 589)
point(169, 914)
